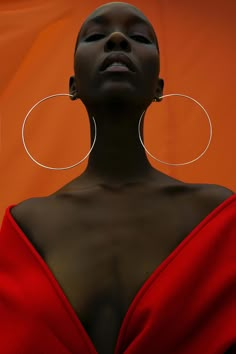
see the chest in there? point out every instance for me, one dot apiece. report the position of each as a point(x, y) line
point(102, 252)
point(102, 275)
point(110, 247)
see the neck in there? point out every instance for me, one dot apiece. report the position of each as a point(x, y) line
point(118, 156)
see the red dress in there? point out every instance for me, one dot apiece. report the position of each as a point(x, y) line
point(187, 305)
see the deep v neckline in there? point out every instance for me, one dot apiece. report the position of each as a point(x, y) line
point(139, 294)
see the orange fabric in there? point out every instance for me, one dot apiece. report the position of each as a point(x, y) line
point(36, 44)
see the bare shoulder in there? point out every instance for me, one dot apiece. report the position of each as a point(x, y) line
point(30, 215)
point(204, 198)
point(213, 195)
point(24, 212)
point(196, 201)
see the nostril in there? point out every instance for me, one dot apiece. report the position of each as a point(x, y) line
point(117, 45)
point(124, 45)
point(110, 45)
point(117, 41)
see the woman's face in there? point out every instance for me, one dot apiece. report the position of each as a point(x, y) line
point(117, 57)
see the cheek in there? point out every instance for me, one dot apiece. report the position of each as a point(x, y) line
point(149, 61)
point(150, 74)
point(82, 61)
point(79, 65)
point(86, 70)
point(152, 65)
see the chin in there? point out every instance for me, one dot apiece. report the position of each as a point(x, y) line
point(117, 95)
point(118, 91)
point(120, 98)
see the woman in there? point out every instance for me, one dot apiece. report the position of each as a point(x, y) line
point(123, 259)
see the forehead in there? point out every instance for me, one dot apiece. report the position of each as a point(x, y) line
point(116, 11)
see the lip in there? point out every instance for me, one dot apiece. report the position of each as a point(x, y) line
point(118, 58)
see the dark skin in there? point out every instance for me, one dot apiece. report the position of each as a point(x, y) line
point(104, 233)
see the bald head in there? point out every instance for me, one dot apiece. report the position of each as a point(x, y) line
point(103, 9)
point(120, 5)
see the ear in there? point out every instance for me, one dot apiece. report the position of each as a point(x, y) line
point(159, 90)
point(73, 89)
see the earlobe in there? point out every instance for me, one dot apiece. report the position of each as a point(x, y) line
point(73, 89)
point(159, 90)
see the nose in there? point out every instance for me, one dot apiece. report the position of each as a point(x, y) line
point(117, 41)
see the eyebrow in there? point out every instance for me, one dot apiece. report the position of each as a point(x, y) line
point(99, 19)
point(102, 19)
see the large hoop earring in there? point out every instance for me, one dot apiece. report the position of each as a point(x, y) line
point(26, 149)
point(183, 163)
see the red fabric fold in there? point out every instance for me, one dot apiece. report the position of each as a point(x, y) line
point(187, 306)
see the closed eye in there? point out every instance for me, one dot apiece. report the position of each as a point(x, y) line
point(140, 38)
point(94, 37)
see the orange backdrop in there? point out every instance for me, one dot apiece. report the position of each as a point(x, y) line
point(197, 58)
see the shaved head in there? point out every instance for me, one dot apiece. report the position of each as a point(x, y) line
point(101, 9)
point(114, 33)
point(117, 3)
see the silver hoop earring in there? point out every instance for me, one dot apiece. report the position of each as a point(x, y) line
point(183, 163)
point(26, 149)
